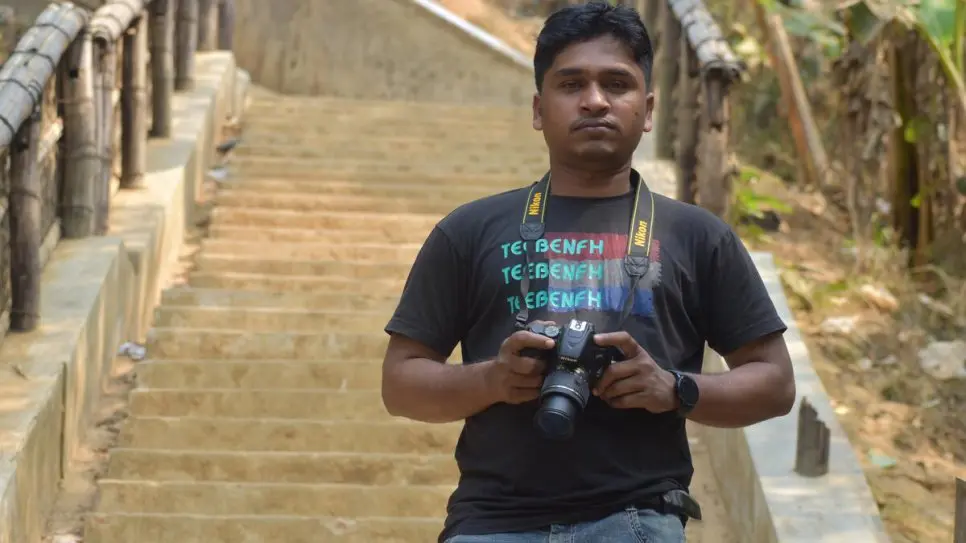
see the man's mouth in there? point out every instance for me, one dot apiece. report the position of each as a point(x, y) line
point(594, 124)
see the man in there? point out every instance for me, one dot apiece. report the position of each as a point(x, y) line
point(475, 276)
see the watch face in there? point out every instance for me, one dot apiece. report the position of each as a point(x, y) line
point(688, 390)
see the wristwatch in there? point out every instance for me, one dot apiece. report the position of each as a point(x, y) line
point(686, 390)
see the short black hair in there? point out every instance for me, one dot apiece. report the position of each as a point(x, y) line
point(584, 22)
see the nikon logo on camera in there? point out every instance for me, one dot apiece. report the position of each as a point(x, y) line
point(534, 207)
point(640, 235)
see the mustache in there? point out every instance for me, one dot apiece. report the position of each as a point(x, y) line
point(593, 122)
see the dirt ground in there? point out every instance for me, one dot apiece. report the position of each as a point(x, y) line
point(907, 428)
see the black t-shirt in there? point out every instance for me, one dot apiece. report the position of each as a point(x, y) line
point(464, 287)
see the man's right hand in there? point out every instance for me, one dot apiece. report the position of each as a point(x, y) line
point(515, 379)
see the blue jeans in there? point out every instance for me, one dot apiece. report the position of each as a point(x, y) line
point(629, 526)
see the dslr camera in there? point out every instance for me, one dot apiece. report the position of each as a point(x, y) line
point(574, 366)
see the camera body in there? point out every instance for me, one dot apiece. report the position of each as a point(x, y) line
point(574, 366)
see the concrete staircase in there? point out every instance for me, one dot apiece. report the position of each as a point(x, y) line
point(257, 415)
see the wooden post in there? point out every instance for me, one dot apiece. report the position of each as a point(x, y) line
point(25, 226)
point(186, 38)
point(79, 143)
point(669, 57)
point(959, 526)
point(134, 113)
point(688, 121)
point(812, 448)
point(714, 174)
point(651, 14)
point(162, 66)
point(105, 136)
point(226, 25)
point(207, 24)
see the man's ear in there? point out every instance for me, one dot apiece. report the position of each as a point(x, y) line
point(537, 112)
point(649, 112)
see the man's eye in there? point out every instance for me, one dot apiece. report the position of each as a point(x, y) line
point(570, 85)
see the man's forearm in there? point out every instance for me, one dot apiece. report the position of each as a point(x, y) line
point(430, 391)
point(748, 394)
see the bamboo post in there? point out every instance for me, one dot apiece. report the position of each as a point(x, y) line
point(134, 132)
point(80, 145)
point(812, 446)
point(226, 25)
point(26, 236)
point(162, 66)
point(105, 137)
point(688, 122)
point(207, 24)
point(186, 36)
point(667, 76)
point(959, 526)
point(714, 174)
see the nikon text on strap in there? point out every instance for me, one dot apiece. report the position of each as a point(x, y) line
point(636, 261)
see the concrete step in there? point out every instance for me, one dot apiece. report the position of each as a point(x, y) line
point(270, 319)
point(202, 343)
point(293, 435)
point(269, 105)
point(309, 284)
point(445, 181)
point(271, 499)
point(440, 189)
point(283, 467)
point(260, 374)
point(400, 141)
point(287, 235)
point(369, 203)
point(256, 528)
point(446, 151)
point(376, 224)
point(305, 404)
point(336, 301)
point(285, 168)
point(314, 249)
point(272, 265)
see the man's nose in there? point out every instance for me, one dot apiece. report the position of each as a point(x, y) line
point(594, 99)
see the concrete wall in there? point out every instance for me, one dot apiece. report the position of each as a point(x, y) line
point(377, 49)
point(767, 501)
point(97, 293)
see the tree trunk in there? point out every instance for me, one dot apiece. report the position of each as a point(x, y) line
point(226, 25)
point(105, 137)
point(208, 24)
point(667, 77)
point(713, 173)
point(688, 121)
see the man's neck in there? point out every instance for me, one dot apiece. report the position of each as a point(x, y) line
point(566, 181)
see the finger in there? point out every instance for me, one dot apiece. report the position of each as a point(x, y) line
point(526, 381)
point(525, 365)
point(522, 339)
point(615, 372)
point(627, 401)
point(621, 340)
point(521, 395)
point(631, 384)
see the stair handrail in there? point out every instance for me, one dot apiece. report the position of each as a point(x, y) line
point(59, 90)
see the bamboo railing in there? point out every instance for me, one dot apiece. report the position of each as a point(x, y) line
point(694, 70)
point(80, 95)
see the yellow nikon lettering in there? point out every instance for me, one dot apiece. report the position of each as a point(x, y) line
point(534, 207)
point(640, 236)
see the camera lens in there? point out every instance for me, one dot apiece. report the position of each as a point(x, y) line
point(555, 417)
point(562, 397)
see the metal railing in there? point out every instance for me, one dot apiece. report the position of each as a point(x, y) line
point(80, 95)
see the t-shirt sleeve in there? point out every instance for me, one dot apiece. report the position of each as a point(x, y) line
point(432, 307)
point(737, 307)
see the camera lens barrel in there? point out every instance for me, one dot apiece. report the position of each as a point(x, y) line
point(563, 396)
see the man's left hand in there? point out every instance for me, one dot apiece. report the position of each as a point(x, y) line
point(637, 381)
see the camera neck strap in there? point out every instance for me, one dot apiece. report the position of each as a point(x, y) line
point(639, 235)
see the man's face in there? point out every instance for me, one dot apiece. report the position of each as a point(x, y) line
point(594, 106)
